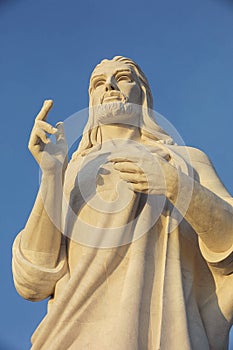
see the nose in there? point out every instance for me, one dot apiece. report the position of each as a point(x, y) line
point(109, 85)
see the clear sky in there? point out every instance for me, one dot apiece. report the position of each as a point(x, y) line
point(48, 49)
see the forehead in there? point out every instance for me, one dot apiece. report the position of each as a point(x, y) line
point(111, 68)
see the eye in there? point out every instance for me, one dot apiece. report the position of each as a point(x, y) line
point(124, 77)
point(98, 83)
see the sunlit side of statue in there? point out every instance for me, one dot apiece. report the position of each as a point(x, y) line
point(132, 240)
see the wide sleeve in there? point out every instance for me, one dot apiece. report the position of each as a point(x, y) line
point(35, 282)
point(222, 261)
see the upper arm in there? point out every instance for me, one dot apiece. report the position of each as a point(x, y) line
point(208, 178)
point(207, 174)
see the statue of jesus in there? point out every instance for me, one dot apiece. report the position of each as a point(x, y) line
point(132, 240)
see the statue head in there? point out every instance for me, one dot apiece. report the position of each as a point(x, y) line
point(119, 76)
point(119, 85)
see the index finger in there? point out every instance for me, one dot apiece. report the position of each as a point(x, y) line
point(42, 115)
point(117, 159)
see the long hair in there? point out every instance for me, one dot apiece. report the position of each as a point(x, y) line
point(148, 127)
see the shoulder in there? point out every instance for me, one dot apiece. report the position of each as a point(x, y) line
point(191, 154)
point(203, 167)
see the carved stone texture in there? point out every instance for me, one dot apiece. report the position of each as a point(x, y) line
point(132, 241)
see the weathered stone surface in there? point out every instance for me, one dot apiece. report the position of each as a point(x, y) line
point(134, 247)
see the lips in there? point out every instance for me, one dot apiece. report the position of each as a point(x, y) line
point(112, 96)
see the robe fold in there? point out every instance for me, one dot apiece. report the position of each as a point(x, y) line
point(153, 291)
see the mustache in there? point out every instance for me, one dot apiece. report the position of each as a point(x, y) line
point(118, 94)
point(115, 112)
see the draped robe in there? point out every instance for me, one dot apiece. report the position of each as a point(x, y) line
point(131, 279)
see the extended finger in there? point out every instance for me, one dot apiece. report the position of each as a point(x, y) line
point(120, 158)
point(132, 177)
point(45, 126)
point(42, 115)
point(128, 167)
point(60, 134)
point(139, 187)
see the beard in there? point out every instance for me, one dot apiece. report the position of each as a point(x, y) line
point(117, 113)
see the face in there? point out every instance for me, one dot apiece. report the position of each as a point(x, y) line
point(114, 82)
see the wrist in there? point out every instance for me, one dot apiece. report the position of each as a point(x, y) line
point(171, 175)
point(52, 176)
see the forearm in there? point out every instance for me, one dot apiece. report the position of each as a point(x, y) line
point(209, 215)
point(41, 238)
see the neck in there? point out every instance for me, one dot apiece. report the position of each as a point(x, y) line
point(119, 131)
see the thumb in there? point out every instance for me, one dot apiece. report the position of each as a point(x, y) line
point(60, 134)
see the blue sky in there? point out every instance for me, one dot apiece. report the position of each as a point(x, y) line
point(48, 50)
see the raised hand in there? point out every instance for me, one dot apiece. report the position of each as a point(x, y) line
point(50, 156)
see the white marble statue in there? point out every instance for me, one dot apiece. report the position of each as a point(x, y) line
point(132, 240)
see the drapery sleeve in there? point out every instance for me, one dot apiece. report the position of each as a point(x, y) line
point(35, 282)
point(220, 261)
